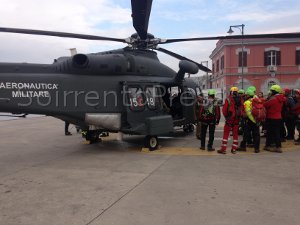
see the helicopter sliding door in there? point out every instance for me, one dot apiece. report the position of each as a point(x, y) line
point(145, 113)
point(188, 101)
point(182, 104)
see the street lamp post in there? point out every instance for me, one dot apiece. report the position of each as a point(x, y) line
point(206, 73)
point(230, 31)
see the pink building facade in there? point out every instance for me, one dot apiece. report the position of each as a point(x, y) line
point(261, 63)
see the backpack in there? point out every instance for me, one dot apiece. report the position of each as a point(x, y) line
point(209, 111)
point(239, 110)
point(258, 110)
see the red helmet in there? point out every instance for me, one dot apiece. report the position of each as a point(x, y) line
point(287, 91)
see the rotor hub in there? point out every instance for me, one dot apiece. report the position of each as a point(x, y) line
point(150, 42)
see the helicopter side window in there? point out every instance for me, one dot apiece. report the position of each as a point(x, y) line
point(152, 97)
point(188, 97)
point(176, 106)
point(136, 98)
point(198, 91)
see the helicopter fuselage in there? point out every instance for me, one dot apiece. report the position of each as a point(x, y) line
point(111, 91)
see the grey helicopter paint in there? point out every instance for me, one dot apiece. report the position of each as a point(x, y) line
point(126, 90)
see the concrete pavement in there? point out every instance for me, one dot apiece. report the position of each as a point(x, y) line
point(48, 178)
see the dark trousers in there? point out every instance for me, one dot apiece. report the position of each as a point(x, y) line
point(290, 126)
point(273, 132)
point(282, 130)
point(298, 129)
point(251, 130)
point(67, 127)
point(211, 134)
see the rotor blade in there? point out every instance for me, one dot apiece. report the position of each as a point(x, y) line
point(140, 16)
point(59, 34)
point(201, 67)
point(248, 36)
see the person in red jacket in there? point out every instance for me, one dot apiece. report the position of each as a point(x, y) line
point(232, 110)
point(274, 107)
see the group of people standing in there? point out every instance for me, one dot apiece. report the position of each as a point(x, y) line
point(278, 115)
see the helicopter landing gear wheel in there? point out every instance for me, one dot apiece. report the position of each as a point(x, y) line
point(185, 129)
point(92, 137)
point(151, 142)
point(189, 128)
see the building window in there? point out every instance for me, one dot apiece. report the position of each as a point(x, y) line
point(213, 67)
point(297, 57)
point(218, 66)
point(222, 62)
point(272, 58)
point(244, 58)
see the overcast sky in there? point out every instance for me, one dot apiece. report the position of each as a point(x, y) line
point(112, 18)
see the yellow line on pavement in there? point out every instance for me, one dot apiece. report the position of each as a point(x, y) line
point(287, 146)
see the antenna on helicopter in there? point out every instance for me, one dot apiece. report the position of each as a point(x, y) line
point(73, 51)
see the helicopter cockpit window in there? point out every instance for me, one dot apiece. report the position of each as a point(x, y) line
point(136, 98)
point(152, 97)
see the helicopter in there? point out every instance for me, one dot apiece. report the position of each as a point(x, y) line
point(125, 90)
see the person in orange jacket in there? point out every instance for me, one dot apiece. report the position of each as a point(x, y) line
point(232, 110)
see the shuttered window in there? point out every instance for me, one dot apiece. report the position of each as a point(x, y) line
point(272, 58)
point(244, 58)
point(222, 62)
point(297, 57)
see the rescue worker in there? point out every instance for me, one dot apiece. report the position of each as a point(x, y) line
point(274, 107)
point(198, 103)
point(296, 111)
point(263, 125)
point(252, 126)
point(209, 117)
point(288, 117)
point(242, 127)
point(232, 111)
point(250, 138)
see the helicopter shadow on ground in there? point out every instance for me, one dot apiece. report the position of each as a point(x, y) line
point(131, 143)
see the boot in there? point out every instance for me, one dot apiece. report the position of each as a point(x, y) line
point(202, 148)
point(256, 151)
point(241, 149)
point(277, 149)
point(221, 151)
point(267, 148)
point(68, 133)
point(210, 149)
point(233, 151)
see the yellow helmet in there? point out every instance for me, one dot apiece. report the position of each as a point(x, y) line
point(233, 89)
point(276, 88)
